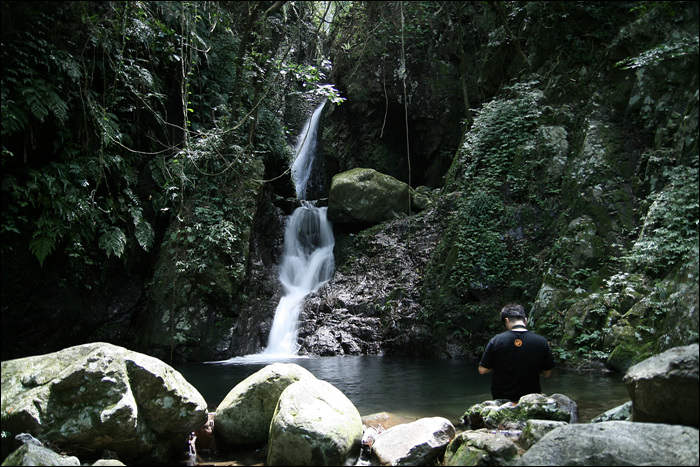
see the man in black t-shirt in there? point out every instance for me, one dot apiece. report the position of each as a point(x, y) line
point(517, 357)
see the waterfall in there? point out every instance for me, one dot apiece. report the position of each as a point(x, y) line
point(307, 258)
point(305, 153)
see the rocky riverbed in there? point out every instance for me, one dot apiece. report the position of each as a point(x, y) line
point(98, 401)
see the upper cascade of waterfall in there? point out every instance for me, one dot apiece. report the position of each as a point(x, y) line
point(305, 153)
point(307, 258)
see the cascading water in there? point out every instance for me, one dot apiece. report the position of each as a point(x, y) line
point(305, 153)
point(307, 259)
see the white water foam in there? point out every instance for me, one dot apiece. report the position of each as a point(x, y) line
point(305, 153)
point(307, 260)
point(307, 264)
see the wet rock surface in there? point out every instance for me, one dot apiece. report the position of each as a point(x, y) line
point(372, 305)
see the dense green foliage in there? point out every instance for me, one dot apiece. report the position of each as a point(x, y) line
point(143, 141)
point(109, 112)
point(120, 119)
point(494, 171)
point(670, 233)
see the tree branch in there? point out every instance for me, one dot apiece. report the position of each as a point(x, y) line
point(497, 7)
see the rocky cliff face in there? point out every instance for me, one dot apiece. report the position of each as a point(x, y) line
point(560, 154)
point(573, 191)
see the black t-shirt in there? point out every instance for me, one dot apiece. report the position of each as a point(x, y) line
point(517, 357)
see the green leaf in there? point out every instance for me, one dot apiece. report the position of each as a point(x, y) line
point(36, 106)
point(144, 233)
point(42, 244)
point(113, 241)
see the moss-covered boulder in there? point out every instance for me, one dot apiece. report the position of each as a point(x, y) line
point(621, 412)
point(314, 424)
point(244, 416)
point(503, 413)
point(366, 196)
point(99, 396)
point(481, 448)
point(535, 429)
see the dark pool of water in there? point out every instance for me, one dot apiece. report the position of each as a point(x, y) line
point(413, 387)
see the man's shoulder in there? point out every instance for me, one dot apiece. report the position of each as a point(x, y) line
point(537, 337)
point(505, 336)
point(502, 335)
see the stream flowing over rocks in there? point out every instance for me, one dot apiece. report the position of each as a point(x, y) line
point(111, 406)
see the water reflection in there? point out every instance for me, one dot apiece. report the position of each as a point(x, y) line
point(412, 387)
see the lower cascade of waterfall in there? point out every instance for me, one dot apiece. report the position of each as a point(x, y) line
point(307, 264)
point(307, 258)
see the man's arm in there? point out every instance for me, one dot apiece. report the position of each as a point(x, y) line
point(546, 373)
point(483, 370)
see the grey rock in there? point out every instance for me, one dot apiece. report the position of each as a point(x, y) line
point(314, 424)
point(108, 462)
point(535, 430)
point(99, 396)
point(622, 412)
point(502, 413)
point(664, 388)
point(244, 416)
point(416, 443)
point(31, 454)
point(615, 443)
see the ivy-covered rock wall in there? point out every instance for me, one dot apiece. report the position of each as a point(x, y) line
point(573, 190)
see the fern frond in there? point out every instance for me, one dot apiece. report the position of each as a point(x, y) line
point(35, 104)
point(42, 244)
point(58, 106)
point(144, 232)
point(112, 241)
point(13, 118)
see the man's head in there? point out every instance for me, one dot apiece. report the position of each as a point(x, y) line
point(513, 312)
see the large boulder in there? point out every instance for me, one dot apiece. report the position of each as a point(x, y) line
point(534, 430)
point(32, 454)
point(503, 413)
point(314, 424)
point(366, 196)
point(664, 388)
point(416, 443)
point(615, 443)
point(481, 448)
point(244, 416)
point(99, 396)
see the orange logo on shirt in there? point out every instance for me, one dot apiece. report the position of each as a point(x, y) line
point(518, 342)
